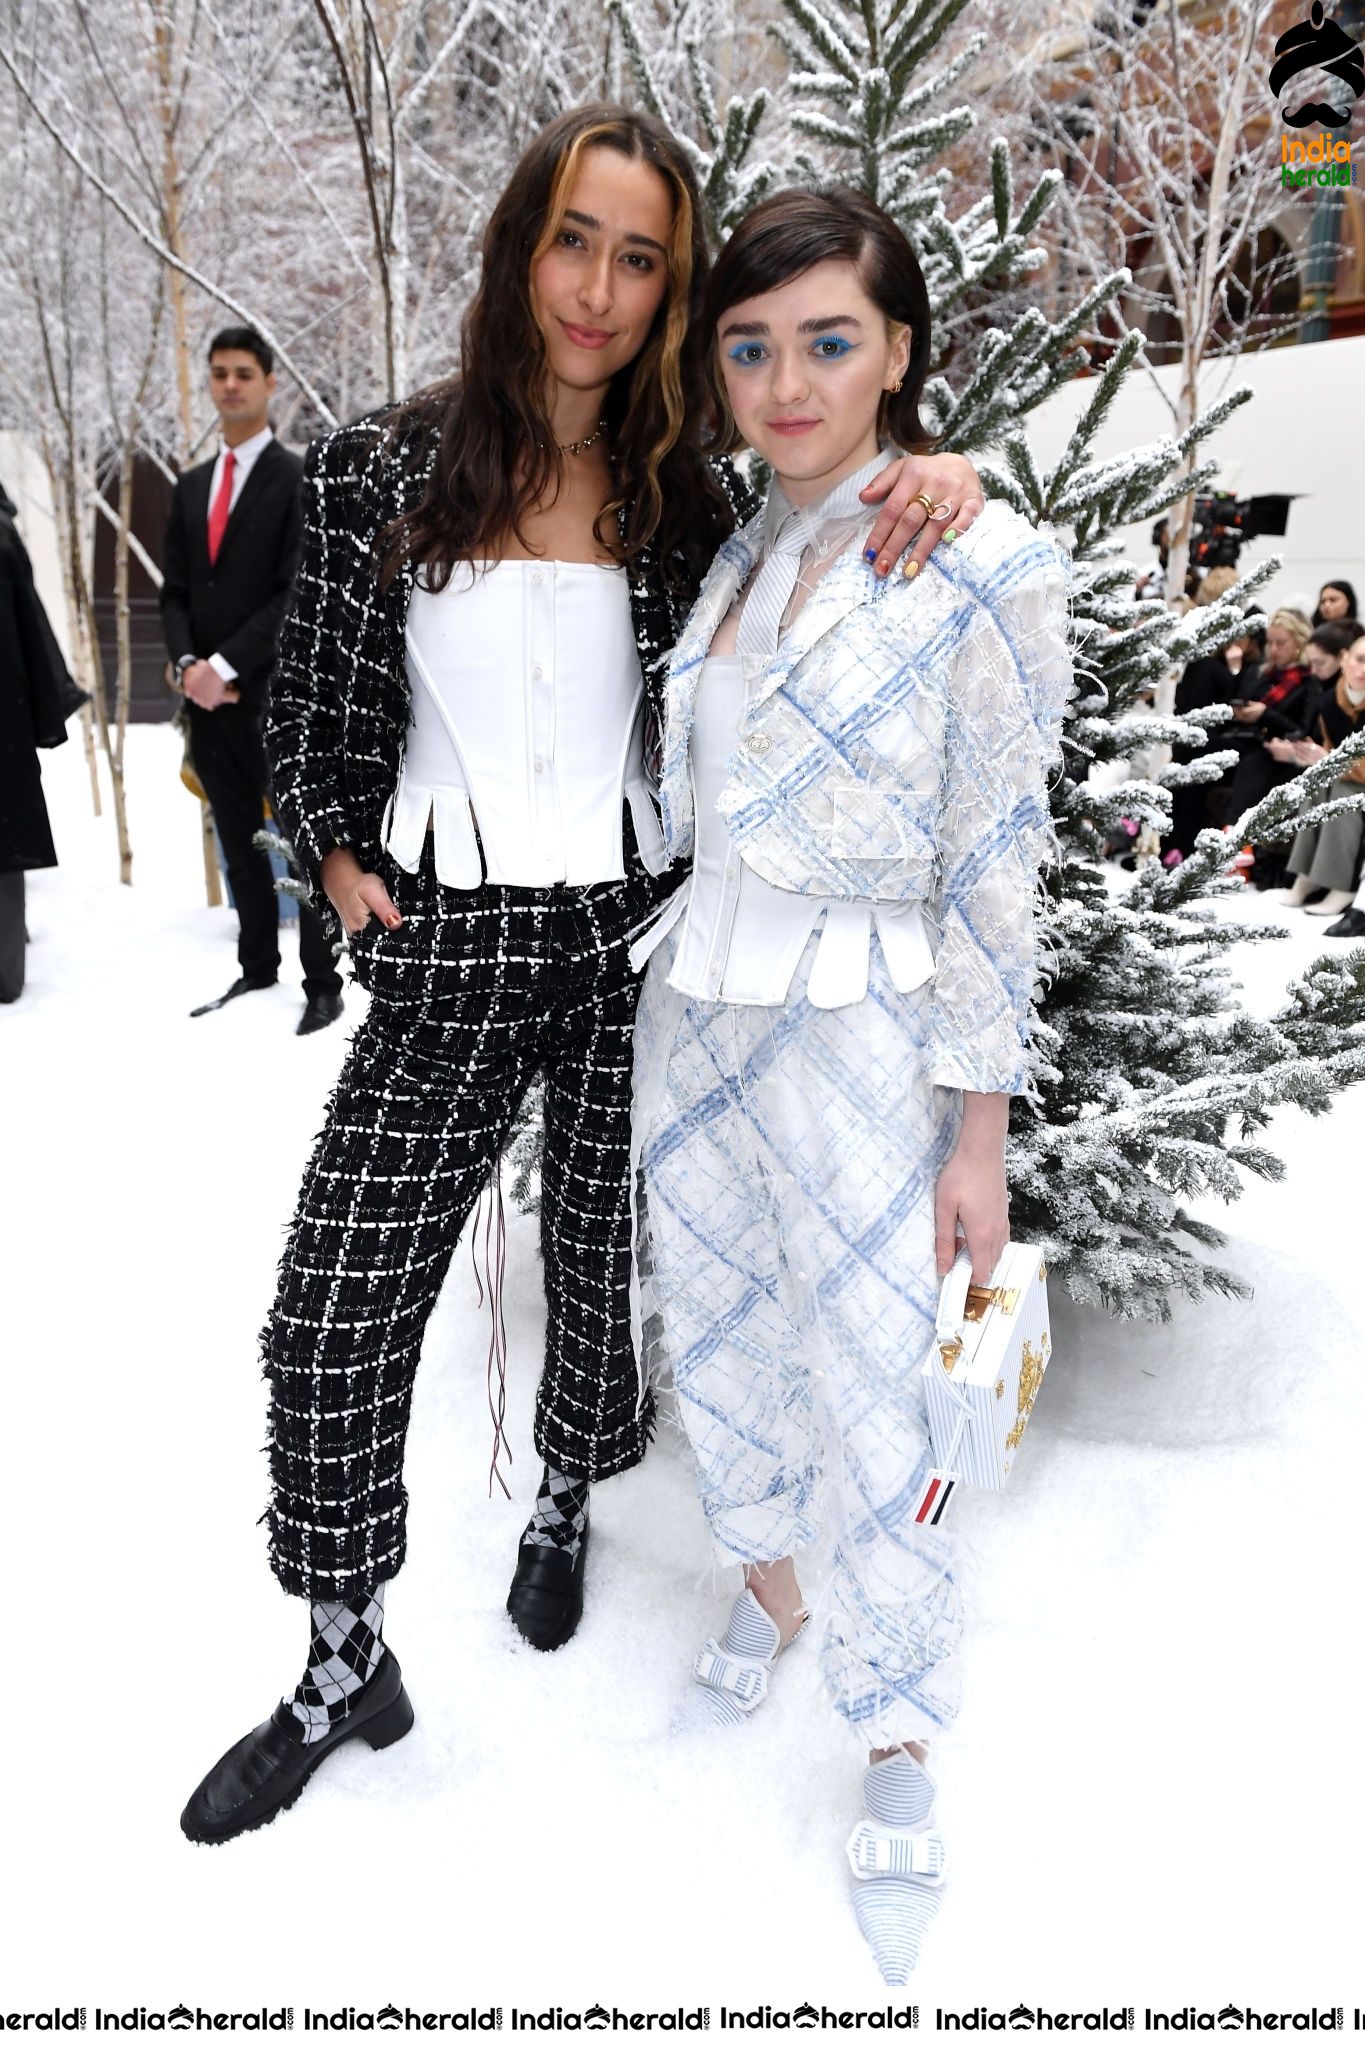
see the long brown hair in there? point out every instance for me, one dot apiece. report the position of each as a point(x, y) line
point(788, 234)
point(497, 455)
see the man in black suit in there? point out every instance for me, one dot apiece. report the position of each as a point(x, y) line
point(231, 555)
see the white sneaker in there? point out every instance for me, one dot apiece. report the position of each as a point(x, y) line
point(897, 1858)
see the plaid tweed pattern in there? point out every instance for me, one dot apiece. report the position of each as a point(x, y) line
point(472, 995)
point(475, 993)
point(340, 699)
point(789, 1156)
point(895, 750)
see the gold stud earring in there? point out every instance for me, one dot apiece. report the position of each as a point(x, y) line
point(897, 385)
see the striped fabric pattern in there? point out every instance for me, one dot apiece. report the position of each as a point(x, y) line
point(732, 1674)
point(894, 1911)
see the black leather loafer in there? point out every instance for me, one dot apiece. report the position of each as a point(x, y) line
point(265, 1772)
point(1350, 925)
point(318, 1013)
point(546, 1600)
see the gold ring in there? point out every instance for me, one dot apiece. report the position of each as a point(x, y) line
point(923, 498)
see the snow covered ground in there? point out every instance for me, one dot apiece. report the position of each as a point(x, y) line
point(1152, 1795)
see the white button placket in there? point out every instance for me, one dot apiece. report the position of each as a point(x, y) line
point(541, 653)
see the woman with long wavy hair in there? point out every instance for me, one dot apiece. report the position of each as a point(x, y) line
point(459, 735)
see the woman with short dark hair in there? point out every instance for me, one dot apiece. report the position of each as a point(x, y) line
point(837, 1004)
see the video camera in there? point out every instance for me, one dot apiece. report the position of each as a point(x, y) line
point(1222, 523)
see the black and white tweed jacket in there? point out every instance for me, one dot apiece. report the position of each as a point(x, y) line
point(340, 700)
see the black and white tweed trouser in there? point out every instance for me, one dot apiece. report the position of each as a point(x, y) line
point(470, 997)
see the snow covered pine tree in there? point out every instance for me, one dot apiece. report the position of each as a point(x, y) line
point(1153, 1079)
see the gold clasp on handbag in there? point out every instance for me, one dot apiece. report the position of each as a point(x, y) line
point(979, 1299)
point(950, 1352)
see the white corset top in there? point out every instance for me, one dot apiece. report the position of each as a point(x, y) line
point(526, 723)
point(740, 938)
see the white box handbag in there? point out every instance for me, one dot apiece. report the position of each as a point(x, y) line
point(981, 1377)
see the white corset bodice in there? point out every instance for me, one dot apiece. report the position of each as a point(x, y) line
point(740, 937)
point(526, 728)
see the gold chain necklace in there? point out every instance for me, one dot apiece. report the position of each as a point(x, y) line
point(578, 447)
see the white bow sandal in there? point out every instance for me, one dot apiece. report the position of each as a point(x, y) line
point(731, 1676)
point(897, 1858)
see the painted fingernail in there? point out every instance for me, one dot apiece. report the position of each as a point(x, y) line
point(869, 554)
point(950, 533)
point(911, 569)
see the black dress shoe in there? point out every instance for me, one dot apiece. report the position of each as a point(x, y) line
point(245, 985)
point(265, 1772)
point(318, 1013)
point(546, 1600)
point(1350, 925)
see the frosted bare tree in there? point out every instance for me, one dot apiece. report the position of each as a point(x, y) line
point(1163, 122)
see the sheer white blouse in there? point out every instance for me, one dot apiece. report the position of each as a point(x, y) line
point(525, 733)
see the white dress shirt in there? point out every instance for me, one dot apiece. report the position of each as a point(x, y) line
point(525, 733)
point(246, 453)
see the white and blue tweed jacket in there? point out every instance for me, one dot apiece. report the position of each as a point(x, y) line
point(895, 751)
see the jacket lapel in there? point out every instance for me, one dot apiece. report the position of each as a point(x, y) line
point(196, 484)
point(850, 584)
point(727, 574)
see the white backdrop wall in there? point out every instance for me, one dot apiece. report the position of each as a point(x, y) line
point(1304, 432)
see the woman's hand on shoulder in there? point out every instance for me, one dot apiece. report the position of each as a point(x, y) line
point(354, 895)
point(954, 490)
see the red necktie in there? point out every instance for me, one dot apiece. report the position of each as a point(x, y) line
point(222, 505)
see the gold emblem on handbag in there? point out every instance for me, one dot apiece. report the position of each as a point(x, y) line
point(982, 1374)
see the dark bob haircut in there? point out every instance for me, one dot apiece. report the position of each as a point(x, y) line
point(249, 341)
point(1334, 636)
point(788, 234)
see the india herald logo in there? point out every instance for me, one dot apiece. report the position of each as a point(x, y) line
point(1325, 45)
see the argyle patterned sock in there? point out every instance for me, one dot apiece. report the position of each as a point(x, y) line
point(346, 1646)
point(561, 1515)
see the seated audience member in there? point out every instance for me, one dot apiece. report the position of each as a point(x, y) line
point(1336, 602)
point(1327, 856)
point(1277, 705)
point(1216, 678)
point(1322, 656)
